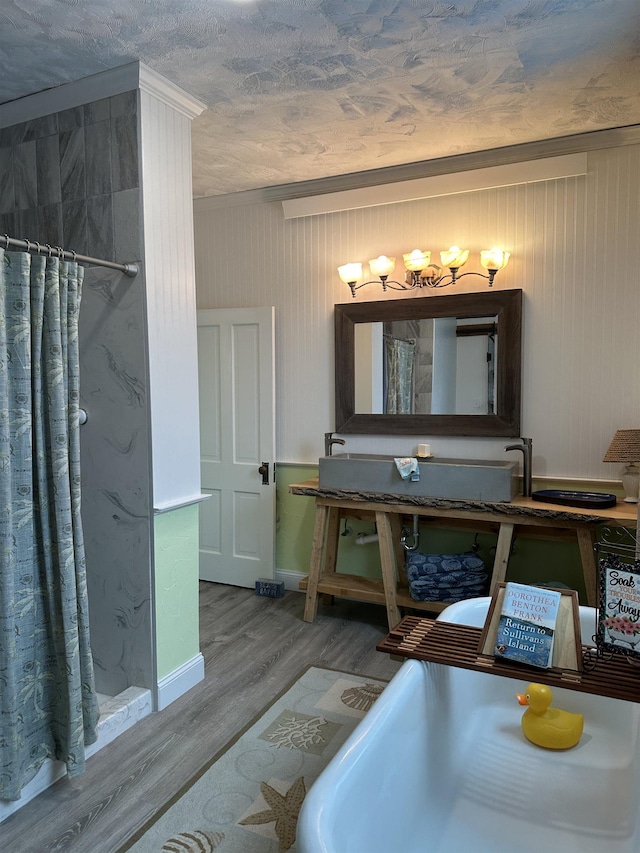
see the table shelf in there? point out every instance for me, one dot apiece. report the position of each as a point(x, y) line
point(350, 586)
point(368, 589)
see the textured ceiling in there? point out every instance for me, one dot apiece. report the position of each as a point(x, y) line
point(305, 89)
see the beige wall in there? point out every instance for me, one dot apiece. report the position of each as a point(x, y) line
point(575, 254)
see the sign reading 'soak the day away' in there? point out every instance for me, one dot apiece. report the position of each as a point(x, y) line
point(619, 612)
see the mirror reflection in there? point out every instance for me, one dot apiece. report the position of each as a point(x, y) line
point(429, 366)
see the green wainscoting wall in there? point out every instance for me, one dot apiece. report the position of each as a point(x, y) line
point(176, 587)
point(532, 560)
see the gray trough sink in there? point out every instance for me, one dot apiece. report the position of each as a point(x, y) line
point(455, 479)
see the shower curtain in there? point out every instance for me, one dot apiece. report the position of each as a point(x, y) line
point(399, 360)
point(48, 705)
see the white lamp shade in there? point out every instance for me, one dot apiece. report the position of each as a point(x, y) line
point(416, 260)
point(382, 266)
point(350, 273)
point(494, 259)
point(454, 258)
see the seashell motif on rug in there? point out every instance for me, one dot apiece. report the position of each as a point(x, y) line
point(362, 697)
point(196, 841)
point(269, 766)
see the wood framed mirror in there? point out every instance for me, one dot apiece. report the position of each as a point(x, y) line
point(465, 357)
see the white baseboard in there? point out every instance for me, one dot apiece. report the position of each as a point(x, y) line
point(174, 685)
point(291, 579)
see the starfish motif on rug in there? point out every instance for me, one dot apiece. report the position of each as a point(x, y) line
point(282, 809)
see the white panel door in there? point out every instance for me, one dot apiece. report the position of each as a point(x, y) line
point(236, 373)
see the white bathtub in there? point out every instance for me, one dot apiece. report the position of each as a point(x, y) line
point(440, 765)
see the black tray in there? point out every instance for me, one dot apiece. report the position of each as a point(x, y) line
point(587, 500)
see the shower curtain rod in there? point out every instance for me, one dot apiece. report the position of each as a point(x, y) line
point(34, 247)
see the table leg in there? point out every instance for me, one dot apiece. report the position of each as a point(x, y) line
point(332, 538)
point(315, 564)
point(331, 541)
point(388, 565)
point(587, 543)
point(503, 551)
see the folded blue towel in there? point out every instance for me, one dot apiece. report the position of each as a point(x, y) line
point(444, 581)
point(446, 577)
point(430, 564)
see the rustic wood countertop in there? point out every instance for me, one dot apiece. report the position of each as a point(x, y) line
point(620, 515)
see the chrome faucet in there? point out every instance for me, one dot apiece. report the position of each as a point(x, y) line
point(527, 453)
point(329, 441)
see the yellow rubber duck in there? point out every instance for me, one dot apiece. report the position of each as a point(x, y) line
point(545, 726)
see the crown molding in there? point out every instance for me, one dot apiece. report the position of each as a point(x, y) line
point(105, 84)
point(173, 96)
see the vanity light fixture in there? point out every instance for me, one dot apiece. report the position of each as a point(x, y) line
point(420, 272)
point(625, 447)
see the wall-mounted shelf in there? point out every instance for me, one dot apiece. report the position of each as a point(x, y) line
point(457, 645)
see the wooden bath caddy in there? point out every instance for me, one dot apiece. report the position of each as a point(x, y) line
point(459, 645)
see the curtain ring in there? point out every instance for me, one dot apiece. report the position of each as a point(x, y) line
point(37, 245)
point(49, 253)
point(74, 255)
point(7, 238)
point(24, 240)
point(60, 251)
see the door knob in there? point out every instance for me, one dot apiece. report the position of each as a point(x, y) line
point(264, 471)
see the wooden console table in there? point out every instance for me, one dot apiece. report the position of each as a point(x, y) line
point(547, 520)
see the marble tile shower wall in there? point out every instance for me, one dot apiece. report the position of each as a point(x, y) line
point(72, 179)
point(116, 479)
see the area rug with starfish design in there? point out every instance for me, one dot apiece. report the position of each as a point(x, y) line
point(247, 799)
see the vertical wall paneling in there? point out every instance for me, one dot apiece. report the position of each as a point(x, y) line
point(168, 218)
point(575, 254)
point(173, 380)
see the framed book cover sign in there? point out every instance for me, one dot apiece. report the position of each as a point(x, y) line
point(619, 608)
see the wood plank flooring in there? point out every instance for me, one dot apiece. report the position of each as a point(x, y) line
point(253, 648)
